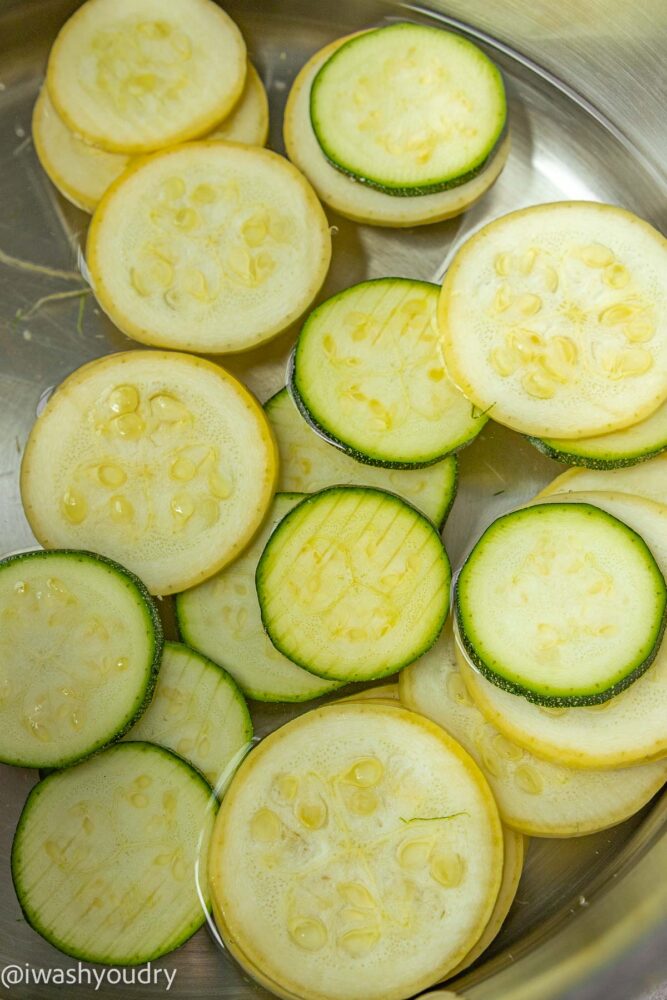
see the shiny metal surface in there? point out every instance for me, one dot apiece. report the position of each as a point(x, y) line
point(589, 920)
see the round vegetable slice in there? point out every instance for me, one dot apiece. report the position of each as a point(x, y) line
point(80, 645)
point(308, 463)
point(198, 712)
point(109, 857)
point(221, 619)
point(561, 603)
point(514, 847)
point(249, 121)
point(162, 461)
point(408, 109)
point(353, 584)
point(357, 855)
point(555, 318)
point(82, 173)
point(132, 76)
point(381, 692)
point(359, 201)
point(648, 480)
point(628, 729)
point(611, 451)
point(537, 797)
point(368, 373)
point(211, 246)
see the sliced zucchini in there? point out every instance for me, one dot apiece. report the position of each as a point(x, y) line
point(368, 373)
point(131, 76)
point(360, 202)
point(353, 584)
point(357, 847)
point(537, 797)
point(249, 120)
point(210, 246)
point(221, 619)
point(109, 857)
point(162, 461)
point(555, 318)
point(408, 109)
point(81, 172)
point(198, 712)
point(514, 848)
point(308, 464)
point(80, 646)
point(628, 729)
point(648, 480)
point(561, 603)
point(611, 451)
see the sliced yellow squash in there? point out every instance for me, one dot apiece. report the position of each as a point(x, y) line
point(161, 461)
point(210, 246)
point(648, 480)
point(358, 201)
point(82, 173)
point(554, 319)
point(249, 119)
point(132, 76)
point(381, 692)
point(358, 856)
point(514, 845)
point(537, 797)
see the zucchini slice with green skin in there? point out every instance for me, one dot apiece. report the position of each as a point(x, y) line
point(541, 798)
point(368, 374)
point(626, 730)
point(648, 480)
point(308, 463)
point(353, 584)
point(197, 711)
point(221, 619)
point(611, 451)
point(561, 603)
point(109, 857)
point(408, 109)
point(359, 847)
point(360, 202)
point(80, 646)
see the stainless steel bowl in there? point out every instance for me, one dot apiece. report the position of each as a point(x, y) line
point(586, 84)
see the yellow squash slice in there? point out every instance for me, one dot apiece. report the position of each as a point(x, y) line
point(381, 692)
point(554, 319)
point(161, 461)
point(132, 76)
point(210, 246)
point(249, 121)
point(514, 845)
point(357, 856)
point(648, 480)
point(534, 796)
point(358, 201)
point(627, 729)
point(82, 173)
